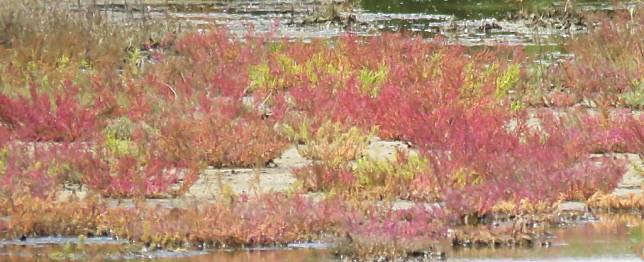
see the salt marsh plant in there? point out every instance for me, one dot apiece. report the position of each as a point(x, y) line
point(78, 109)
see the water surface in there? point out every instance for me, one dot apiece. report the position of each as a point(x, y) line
point(611, 238)
point(462, 21)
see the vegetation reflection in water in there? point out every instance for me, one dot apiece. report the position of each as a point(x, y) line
point(614, 237)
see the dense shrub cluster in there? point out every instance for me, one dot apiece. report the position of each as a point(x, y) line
point(168, 111)
point(480, 144)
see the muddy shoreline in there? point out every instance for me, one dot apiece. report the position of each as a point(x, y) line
point(613, 236)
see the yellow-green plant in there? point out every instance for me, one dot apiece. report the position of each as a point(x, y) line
point(135, 60)
point(372, 80)
point(260, 77)
point(118, 137)
point(331, 143)
point(288, 65)
point(336, 66)
point(299, 132)
point(474, 81)
point(432, 68)
point(389, 177)
point(507, 81)
point(464, 176)
point(4, 153)
point(635, 97)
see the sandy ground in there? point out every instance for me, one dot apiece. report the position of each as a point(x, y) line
point(248, 180)
point(272, 179)
point(279, 178)
point(633, 180)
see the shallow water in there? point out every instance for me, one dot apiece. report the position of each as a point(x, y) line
point(460, 20)
point(611, 238)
